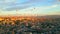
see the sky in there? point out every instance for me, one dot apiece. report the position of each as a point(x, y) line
point(29, 7)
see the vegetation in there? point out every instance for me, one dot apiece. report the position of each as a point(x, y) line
point(24, 26)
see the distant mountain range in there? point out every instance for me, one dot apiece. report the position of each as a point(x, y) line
point(49, 16)
point(46, 16)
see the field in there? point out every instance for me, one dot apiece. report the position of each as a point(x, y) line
point(29, 25)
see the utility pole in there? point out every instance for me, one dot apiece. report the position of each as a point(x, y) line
point(16, 11)
point(16, 8)
point(35, 10)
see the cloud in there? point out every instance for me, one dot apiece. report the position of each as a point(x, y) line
point(16, 8)
point(7, 1)
point(33, 11)
point(10, 5)
point(58, 0)
point(53, 6)
point(47, 7)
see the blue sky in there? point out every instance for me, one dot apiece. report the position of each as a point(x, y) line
point(30, 7)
